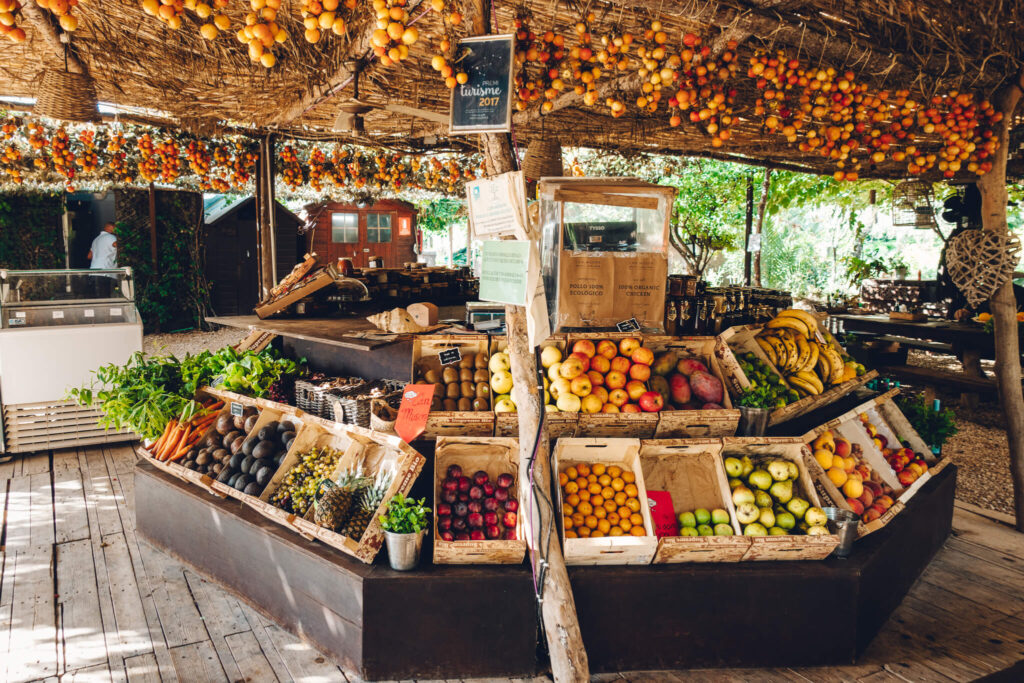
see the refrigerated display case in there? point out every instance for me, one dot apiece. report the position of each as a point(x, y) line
point(56, 328)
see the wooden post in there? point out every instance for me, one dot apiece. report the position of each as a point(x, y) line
point(759, 226)
point(1003, 304)
point(558, 607)
point(748, 228)
point(265, 241)
point(152, 228)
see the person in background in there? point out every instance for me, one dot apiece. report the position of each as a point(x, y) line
point(103, 256)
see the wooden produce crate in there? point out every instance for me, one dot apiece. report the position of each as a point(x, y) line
point(377, 450)
point(313, 284)
point(784, 547)
point(691, 471)
point(425, 351)
point(742, 338)
point(609, 549)
point(230, 397)
point(691, 424)
point(560, 425)
point(495, 456)
point(267, 415)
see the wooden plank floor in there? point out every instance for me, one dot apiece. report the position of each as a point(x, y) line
point(83, 599)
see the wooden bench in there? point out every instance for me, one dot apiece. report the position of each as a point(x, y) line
point(970, 387)
point(924, 344)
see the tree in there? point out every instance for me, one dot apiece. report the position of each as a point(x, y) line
point(698, 242)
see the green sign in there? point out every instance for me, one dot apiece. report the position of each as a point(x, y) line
point(503, 275)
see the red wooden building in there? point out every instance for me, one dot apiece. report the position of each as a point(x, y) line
point(386, 228)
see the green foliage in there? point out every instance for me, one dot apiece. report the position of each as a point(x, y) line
point(934, 426)
point(405, 515)
point(439, 215)
point(30, 231)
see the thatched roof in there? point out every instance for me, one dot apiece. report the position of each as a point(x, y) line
point(926, 46)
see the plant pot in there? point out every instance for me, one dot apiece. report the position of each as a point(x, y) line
point(753, 421)
point(404, 549)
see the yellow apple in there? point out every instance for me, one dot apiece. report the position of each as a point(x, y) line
point(553, 371)
point(591, 404)
point(581, 386)
point(499, 362)
point(569, 403)
point(560, 386)
point(550, 355)
point(571, 367)
point(504, 404)
point(501, 381)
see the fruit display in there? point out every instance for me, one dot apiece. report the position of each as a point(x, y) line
point(626, 377)
point(766, 494)
point(370, 499)
point(905, 462)
point(600, 500)
point(248, 457)
point(335, 499)
point(476, 508)
point(501, 382)
point(704, 522)
point(790, 341)
point(299, 486)
point(767, 390)
point(866, 493)
point(465, 385)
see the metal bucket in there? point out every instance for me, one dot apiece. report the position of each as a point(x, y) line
point(753, 421)
point(404, 549)
point(844, 524)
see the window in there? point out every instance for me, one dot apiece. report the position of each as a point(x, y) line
point(378, 228)
point(345, 228)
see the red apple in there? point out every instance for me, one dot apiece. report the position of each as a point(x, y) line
point(679, 389)
point(596, 378)
point(651, 402)
point(640, 372)
point(600, 364)
point(586, 347)
point(615, 380)
point(642, 355)
point(509, 520)
point(630, 408)
point(607, 348)
point(583, 358)
point(688, 366)
point(620, 364)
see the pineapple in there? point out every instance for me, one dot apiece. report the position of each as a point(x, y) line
point(333, 506)
point(368, 503)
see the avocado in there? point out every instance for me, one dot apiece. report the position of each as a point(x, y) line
point(234, 478)
point(247, 464)
point(250, 422)
point(236, 461)
point(224, 423)
point(268, 433)
point(253, 489)
point(279, 458)
point(264, 475)
point(249, 445)
point(265, 449)
point(285, 426)
point(242, 481)
point(229, 438)
point(225, 475)
point(287, 437)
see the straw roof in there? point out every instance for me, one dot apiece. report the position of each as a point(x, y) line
point(927, 46)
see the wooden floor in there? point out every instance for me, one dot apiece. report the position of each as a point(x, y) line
point(83, 599)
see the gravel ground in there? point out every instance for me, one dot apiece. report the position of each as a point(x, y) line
point(980, 447)
point(180, 343)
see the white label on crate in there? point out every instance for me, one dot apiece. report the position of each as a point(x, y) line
point(57, 315)
point(89, 313)
point(19, 314)
point(236, 409)
point(14, 322)
point(115, 311)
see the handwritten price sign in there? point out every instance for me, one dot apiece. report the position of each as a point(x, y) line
point(413, 411)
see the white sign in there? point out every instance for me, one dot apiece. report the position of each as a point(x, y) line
point(754, 242)
point(505, 271)
point(497, 206)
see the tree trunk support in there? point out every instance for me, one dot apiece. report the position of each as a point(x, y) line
point(748, 228)
point(759, 225)
point(152, 228)
point(266, 238)
point(992, 186)
point(558, 607)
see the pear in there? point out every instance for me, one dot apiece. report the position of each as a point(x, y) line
point(747, 513)
point(782, 491)
point(794, 471)
point(777, 531)
point(686, 519)
point(705, 530)
point(815, 516)
point(723, 530)
point(688, 531)
point(762, 499)
point(817, 530)
point(733, 483)
point(742, 495)
point(748, 465)
point(755, 529)
point(785, 520)
point(734, 467)
point(719, 516)
point(798, 506)
point(761, 479)
point(779, 469)
point(767, 518)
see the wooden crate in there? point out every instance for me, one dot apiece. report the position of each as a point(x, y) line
point(377, 450)
point(691, 471)
point(230, 397)
point(610, 549)
point(450, 423)
point(690, 424)
point(742, 337)
point(314, 284)
point(559, 425)
point(784, 547)
point(266, 416)
point(492, 455)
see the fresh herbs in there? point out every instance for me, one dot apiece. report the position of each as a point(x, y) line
point(244, 373)
point(405, 515)
point(934, 426)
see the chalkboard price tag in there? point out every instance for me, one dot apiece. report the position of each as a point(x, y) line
point(630, 325)
point(217, 381)
point(483, 104)
point(450, 356)
point(236, 409)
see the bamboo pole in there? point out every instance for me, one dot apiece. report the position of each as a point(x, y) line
point(558, 607)
point(1003, 304)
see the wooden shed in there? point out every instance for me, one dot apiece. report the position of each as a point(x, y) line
point(232, 260)
point(386, 228)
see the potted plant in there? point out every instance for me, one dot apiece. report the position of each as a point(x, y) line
point(405, 524)
point(933, 425)
point(756, 405)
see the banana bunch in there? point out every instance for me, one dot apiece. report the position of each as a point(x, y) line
point(790, 340)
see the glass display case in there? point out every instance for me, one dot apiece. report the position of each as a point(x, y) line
point(48, 298)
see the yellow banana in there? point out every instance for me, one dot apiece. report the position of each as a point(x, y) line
point(812, 362)
point(801, 383)
point(824, 367)
point(812, 379)
point(786, 322)
point(836, 364)
point(792, 354)
point(809, 321)
point(804, 352)
point(779, 348)
point(768, 349)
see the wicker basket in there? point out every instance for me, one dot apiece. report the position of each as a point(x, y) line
point(311, 397)
point(353, 406)
point(543, 159)
point(67, 96)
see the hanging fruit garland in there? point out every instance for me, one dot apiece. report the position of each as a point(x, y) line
point(9, 14)
point(323, 15)
point(62, 9)
point(394, 35)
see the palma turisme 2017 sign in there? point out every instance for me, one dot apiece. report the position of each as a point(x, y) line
point(483, 104)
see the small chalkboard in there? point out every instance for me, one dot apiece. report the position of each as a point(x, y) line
point(630, 325)
point(237, 409)
point(449, 356)
point(483, 104)
point(217, 381)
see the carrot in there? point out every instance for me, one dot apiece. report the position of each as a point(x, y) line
point(183, 447)
point(172, 443)
point(205, 420)
point(216, 405)
point(155, 448)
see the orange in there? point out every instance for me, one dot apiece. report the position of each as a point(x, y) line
point(613, 518)
point(628, 477)
point(610, 506)
point(607, 492)
point(571, 473)
point(633, 504)
point(604, 480)
point(594, 489)
point(620, 498)
point(572, 487)
point(600, 513)
point(582, 482)
point(598, 469)
point(615, 531)
point(583, 531)
point(597, 501)
point(597, 534)
point(563, 479)
point(569, 533)
point(585, 508)
point(624, 512)
point(591, 521)
point(577, 519)
point(567, 509)
point(584, 495)
point(614, 471)
point(631, 490)
point(625, 524)
point(638, 531)
point(583, 468)
point(618, 484)
point(567, 522)
point(573, 500)
point(592, 478)
point(636, 519)
point(603, 526)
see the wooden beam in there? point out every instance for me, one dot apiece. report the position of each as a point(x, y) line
point(152, 227)
point(1003, 304)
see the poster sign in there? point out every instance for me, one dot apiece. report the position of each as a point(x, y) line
point(497, 206)
point(413, 411)
point(483, 104)
point(504, 273)
point(754, 242)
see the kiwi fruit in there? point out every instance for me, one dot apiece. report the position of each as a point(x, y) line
point(450, 375)
point(465, 404)
point(250, 422)
point(439, 391)
point(468, 360)
point(436, 404)
point(252, 489)
point(432, 377)
point(203, 458)
point(480, 376)
point(450, 404)
point(481, 404)
point(467, 389)
point(247, 464)
point(483, 390)
point(249, 445)
point(465, 375)
point(265, 449)
point(235, 462)
point(454, 390)
point(224, 423)
point(230, 437)
point(481, 361)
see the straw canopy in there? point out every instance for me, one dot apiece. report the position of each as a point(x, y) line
point(926, 61)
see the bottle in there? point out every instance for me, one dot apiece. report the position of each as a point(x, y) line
point(671, 315)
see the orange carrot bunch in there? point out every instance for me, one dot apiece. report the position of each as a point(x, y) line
point(180, 436)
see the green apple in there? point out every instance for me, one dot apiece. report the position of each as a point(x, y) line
point(782, 491)
point(767, 517)
point(755, 529)
point(798, 506)
point(501, 381)
point(724, 530)
point(702, 515)
point(686, 519)
point(758, 478)
point(742, 495)
point(748, 465)
point(817, 530)
point(733, 467)
point(747, 513)
point(719, 516)
point(762, 499)
point(779, 469)
point(785, 520)
point(777, 531)
point(688, 531)
point(499, 362)
point(815, 517)
point(705, 530)
point(733, 483)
